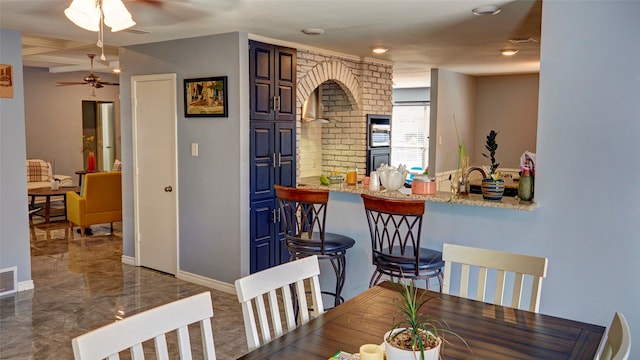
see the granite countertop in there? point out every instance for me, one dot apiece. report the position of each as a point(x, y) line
point(507, 202)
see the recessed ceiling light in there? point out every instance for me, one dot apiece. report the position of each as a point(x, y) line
point(379, 49)
point(313, 31)
point(486, 10)
point(509, 52)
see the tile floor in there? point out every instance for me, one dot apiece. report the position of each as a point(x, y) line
point(82, 285)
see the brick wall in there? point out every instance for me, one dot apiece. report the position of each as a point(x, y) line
point(349, 90)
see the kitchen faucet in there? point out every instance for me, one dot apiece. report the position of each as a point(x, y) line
point(465, 177)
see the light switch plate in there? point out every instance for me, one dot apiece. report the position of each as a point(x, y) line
point(194, 149)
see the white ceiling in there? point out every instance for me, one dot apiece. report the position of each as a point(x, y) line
point(421, 34)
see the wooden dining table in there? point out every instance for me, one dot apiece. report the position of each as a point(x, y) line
point(492, 331)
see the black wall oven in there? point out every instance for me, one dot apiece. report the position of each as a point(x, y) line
point(379, 135)
point(378, 141)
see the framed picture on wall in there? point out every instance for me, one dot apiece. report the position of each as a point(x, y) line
point(6, 81)
point(205, 97)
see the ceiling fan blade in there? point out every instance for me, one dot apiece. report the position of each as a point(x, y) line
point(92, 79)
point(67, 83)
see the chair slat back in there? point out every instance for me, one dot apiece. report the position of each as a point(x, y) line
point(394, 225)
point(617, 345)
point(275, 283)
point(303, 216)
point(503, 263)
point(130, 333)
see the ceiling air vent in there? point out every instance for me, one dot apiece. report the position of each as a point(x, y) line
point(528, 40)
point(8, 280)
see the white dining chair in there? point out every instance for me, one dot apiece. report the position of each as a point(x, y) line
point(130, 333)
point(502, 263)
point(617, 344)
point(275, 283)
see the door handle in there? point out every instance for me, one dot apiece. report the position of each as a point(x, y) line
point(276, 103)
point(168, 188)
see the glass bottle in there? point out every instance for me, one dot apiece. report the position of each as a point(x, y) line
point(352, 176)
point(525, 185)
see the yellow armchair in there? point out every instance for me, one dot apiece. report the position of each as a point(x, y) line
point(100, 201)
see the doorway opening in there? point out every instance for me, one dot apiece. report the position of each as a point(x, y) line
point(98, 129)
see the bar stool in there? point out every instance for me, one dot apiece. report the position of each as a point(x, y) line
point(303, 214)
point(396, 227)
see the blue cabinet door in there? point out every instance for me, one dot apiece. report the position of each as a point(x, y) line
point(262, 235)
point(285, 148)
point(262, 152)
point(272, 76)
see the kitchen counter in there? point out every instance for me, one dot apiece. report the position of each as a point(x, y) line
point(441, 197)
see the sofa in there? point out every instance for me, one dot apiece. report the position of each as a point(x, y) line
point(39, 175)
point(100, 201)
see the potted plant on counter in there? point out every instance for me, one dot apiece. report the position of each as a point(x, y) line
point(493, 186)
point(415, 336)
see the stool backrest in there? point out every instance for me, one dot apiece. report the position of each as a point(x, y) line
point(395, 224)
point(502, 263)
point(130, 333)
point(276, 283)
point(303, 215)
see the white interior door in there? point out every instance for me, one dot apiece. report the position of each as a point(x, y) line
point(155, 180)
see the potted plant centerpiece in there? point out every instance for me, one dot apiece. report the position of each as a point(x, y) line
point(416, 336)
point(493, 186)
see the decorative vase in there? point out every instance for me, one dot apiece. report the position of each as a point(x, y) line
point(91, 161)
point(492, 189)
point(525, 186)
point(394, 353)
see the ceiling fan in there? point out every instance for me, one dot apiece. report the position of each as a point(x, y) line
point(92, 79)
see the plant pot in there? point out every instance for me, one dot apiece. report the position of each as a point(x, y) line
point(492, 189)
point(394, 353)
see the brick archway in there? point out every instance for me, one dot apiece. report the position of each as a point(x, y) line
point(325, 71)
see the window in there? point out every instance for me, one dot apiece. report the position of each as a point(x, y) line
point(410, 135)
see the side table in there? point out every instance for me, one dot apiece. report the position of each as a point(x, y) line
point(81, 174)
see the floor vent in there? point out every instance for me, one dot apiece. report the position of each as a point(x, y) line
point(8, 280)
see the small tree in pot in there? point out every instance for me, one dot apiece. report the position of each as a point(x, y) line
point(415, 336)
point(493, 186)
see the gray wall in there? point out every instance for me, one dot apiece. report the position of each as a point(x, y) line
point(453, 95)
point(213, 188)
point(53, 116)
point(587, 220)
point(507, 104)
point(14, 221)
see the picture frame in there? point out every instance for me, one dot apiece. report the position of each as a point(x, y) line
point(6, 81)
point(206, 97)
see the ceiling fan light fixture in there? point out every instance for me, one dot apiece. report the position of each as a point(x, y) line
point(84, 13)
point(87, 14)
point(116, 15)
point(509, 52)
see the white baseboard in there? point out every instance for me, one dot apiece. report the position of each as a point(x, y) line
point(205, 281)
point(129, 260)
point(194, 278)
point(25, 285)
